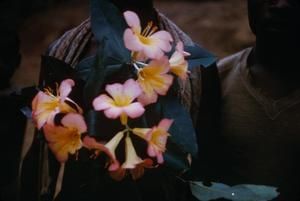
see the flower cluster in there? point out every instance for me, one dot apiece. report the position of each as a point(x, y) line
point(121, 101)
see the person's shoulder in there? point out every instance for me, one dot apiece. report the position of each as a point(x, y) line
point(69, 45)
point(231, 61)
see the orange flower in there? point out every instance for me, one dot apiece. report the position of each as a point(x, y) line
point(178, 65)
point(154, 80)
point(66, 139)
point(147, 43)
point(45, 104)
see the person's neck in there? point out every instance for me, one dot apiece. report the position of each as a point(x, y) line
point(277, 57)
point(274, 68)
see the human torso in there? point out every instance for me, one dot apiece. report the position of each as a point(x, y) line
point(260, 136)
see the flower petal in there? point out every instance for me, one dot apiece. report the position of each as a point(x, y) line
point(132, 158)
point(65, 88)
point(119, 174)
point(145, 99)
point(160, 158)
point(165, 124)
point(132, 41)
point(151, 151)
point(102, 102)
point(141, 132)
point(131, 89)
point(74, 120)
point(115, 90)
point(134, 110)
point(132, 20)
point(113, 112)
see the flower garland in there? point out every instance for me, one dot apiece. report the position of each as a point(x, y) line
point(124, 101)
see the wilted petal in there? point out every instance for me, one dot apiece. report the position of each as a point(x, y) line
point(139, 170)
point(118, 174)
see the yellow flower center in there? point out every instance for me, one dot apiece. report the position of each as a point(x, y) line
point(147, 32)
point(121, 101)
point(74, 136)
point(158, 139)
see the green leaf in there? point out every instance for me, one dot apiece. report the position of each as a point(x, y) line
point(199, 57)
point(108, 27)
point(241, 192)
point(182, 130)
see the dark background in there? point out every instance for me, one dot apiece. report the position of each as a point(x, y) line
point(221, 26)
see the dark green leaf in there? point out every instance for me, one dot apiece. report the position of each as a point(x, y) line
point(182, 130)
point(108, 27)
point(242, 192)
point(199, 56)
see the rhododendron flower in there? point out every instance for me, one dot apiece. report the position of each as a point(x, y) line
point(157, 139)
point(120, 104)
point(147, 42)
point(45, 104)
point(154, 80)
point(66, 139)
point(178, 65)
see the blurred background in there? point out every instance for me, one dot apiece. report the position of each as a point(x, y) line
point(220, 26)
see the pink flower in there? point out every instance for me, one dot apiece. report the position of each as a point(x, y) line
point(147, 43)
point(109, 148)
point(66, 139)
point(157, 139)
point(178, 65)
point(45, 104)
point(154, 80)
point(120, 104)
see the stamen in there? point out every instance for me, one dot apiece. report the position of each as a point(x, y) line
point(136, 67)
point(153, 30)
point(147, 29)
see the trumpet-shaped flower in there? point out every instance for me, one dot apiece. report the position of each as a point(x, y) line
point(154, 80)
point(66, 139)
point(120, 104)
point(147, 42)
point(178, 65)
point(111, 146)
point(157, 139)
point(45, 104)
point(132, 159)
